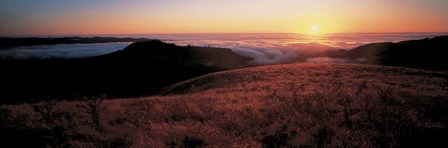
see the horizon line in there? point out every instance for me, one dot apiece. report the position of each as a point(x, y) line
point(234, 33)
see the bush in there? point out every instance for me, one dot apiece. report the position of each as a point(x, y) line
point(92, 107)
point(191, 142)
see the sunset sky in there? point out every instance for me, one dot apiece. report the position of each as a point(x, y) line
point(78, 17)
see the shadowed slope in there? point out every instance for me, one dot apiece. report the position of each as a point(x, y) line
point(430, 53)
point(140, 69)
point(221, 58)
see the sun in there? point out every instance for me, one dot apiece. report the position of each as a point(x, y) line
point(314, 29)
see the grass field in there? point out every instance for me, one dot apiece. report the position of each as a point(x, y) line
point(291, 105)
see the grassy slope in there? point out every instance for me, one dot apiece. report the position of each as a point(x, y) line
point(294, 104)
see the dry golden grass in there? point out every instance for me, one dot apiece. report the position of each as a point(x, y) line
point(296, 105)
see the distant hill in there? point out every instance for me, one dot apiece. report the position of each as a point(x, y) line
point(142, 68)
point(221, 58)
point(14, 42)
point(290, 105)
point(429, 54)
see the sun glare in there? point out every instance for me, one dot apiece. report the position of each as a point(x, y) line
point(314, 29)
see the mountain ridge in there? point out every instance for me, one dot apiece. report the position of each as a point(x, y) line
point(428, 53)
point(140, 69)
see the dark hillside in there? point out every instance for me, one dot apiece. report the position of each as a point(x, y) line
point(429, 54)
point(140, 69)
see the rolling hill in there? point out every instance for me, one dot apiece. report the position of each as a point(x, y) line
point(140, 69)
point(290, 105)
point(144, 67)
point(429, 53)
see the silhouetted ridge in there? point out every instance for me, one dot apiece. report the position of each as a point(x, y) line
point(156, 50)
point(142, 68)
point(429, 53)
point(147, 48)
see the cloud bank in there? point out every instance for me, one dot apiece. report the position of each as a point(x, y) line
point(263, 48)
point(262, 51)
point(62, 50)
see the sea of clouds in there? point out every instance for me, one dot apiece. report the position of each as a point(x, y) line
point(263, 48)
point(61, 50)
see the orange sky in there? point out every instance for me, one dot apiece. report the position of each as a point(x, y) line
point(27, 17)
